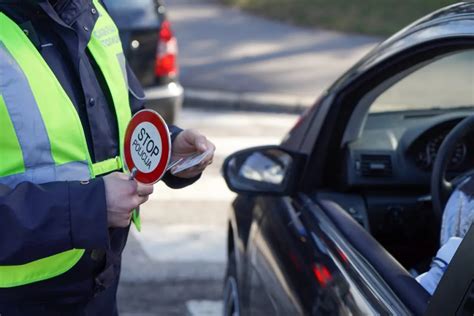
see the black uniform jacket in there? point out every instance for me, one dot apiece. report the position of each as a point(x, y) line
point(37, 221)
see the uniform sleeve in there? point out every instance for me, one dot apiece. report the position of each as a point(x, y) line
point(41, 220)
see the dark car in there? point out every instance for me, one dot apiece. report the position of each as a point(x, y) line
point(340, 218)
point(151, 51)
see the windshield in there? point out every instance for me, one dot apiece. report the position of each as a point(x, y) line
point(447, 82)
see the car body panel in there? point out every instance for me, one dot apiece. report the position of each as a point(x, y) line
point(289, 256)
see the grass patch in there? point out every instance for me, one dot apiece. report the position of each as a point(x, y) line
point(376, 17)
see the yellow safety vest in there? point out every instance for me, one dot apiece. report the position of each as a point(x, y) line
point(42, 139)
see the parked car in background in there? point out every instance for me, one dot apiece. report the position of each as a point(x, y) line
point(340, 217)
point(151, 50)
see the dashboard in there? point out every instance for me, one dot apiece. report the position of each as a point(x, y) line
point(399, 149)
point(426, 150)
point(390, 166)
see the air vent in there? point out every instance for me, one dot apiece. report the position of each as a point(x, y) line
point(375, 165)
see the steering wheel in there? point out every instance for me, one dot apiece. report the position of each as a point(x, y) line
point(441, 188)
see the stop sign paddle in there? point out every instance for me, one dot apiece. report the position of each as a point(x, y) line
point(147, 147)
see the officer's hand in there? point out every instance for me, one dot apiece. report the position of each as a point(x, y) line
point(123, 195)
point(189, 142)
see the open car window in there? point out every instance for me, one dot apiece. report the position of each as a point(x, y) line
point(445, 83)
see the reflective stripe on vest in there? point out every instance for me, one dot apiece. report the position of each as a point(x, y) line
point(42, 138)
point(37, 163)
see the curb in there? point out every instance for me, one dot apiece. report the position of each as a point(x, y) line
point(246, 101)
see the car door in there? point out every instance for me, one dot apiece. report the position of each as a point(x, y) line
point(292, 266)
point(277, 269)
point(299, 269)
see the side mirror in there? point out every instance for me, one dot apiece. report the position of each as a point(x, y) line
point(262, 170)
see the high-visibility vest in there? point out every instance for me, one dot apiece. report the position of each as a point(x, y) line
point(41, 136)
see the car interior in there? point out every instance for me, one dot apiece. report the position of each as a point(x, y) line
point(390, 145)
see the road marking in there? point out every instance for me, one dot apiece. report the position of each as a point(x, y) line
point(204, 308)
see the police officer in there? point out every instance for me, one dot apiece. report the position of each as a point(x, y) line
point(65, 203)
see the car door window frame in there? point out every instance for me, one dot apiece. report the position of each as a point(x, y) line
point(328, 127)
point(357, 121)
point(366, 281)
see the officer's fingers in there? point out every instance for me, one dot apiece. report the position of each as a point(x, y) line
point(125, 221)
point(205, 162)
point(126, 216)
point(210, 145)
point(144, 199)
point(121, 175)
point(143, 189)
point(120, 220)
point(129, 187)
point(139, 200)
point(200, 142)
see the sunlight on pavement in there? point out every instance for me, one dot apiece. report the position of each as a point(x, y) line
point(204, 308)
point(183, 243)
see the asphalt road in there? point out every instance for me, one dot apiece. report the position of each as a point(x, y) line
point(225, 49)
point(175, 266)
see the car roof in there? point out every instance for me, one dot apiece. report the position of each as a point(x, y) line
point(135, 14)
point(456, 20)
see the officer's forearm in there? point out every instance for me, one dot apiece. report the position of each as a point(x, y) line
point(41, 220)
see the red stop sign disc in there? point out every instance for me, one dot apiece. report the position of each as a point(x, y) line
point(147, 147)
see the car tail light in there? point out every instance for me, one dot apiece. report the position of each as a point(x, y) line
point(166, 64)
